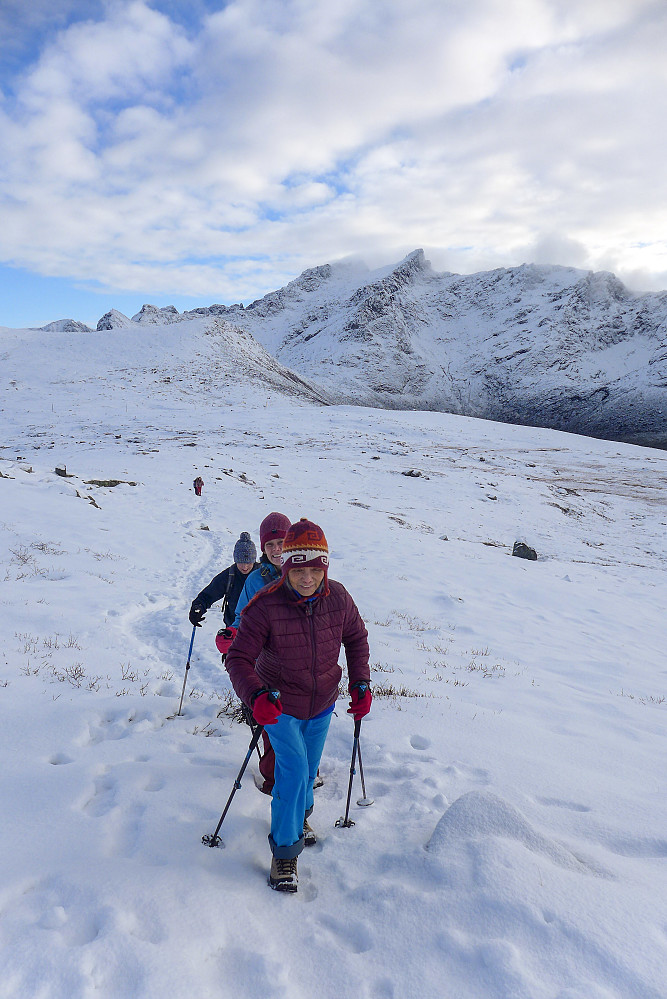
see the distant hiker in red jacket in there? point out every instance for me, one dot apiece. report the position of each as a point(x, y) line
point(199, 485)
point(289, 639)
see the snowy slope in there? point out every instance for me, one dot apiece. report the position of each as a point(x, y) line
point(139, 368)
point(516, 746)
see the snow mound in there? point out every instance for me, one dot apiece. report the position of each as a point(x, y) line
point(481, 815)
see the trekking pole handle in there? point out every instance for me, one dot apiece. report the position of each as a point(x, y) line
point(357, 727)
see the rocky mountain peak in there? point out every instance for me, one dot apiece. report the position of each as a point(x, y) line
point(154, 316)
point(113, 320)
point(66, 326)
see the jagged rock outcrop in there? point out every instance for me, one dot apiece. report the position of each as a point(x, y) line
point(212, 310)
point(308, 282)
point(66, 326)
point(113, 320)
point(151, 315)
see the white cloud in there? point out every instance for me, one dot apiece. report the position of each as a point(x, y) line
point(300, 130)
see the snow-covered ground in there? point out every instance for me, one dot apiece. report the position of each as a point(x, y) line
point(517, 846)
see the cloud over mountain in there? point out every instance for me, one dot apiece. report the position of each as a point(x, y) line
point(219, 150)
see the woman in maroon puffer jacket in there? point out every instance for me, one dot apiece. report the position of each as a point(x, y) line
point(288, 641)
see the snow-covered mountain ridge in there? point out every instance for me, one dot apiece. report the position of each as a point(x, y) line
point(541, 345)
point(549, 346)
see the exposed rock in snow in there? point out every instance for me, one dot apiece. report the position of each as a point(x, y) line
point(308, 282)
point(113, 320)
point(66, 326)
point(212, 310)
point(154, 316)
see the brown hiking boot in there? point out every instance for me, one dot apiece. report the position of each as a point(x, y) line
point(309, 834)
point(283, 876)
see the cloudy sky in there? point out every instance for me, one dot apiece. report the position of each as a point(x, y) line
point(197, 151)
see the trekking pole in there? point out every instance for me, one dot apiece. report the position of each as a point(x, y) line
point(346, 821)
point(214, 839)
point(185, 678)
point(364, 800)
point(246, 713)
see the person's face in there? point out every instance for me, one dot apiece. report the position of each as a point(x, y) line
point(305, 580)
point(272, 550)
point(244, 567)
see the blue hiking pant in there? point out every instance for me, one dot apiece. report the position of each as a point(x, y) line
point(298, 746)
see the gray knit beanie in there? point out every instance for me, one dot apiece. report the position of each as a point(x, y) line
point(244, 549)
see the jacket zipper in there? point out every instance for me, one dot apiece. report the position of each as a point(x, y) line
point(309, 615)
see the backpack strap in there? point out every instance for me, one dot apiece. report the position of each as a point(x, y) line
point(230, 583)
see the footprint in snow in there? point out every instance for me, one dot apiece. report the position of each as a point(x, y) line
point(154, 783)
point(560, 803)
point(477, 774)
point(123, 831)
point(419, 742)
point(269, 977)
point(103, 798)
point(145, 924)
point(383, 989)
point(59, 759)
point(76, 929)
point(64, 910)
point(354, 936)
point(640, 847)
point(112, 725)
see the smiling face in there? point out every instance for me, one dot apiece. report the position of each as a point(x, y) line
point(272, 550)
point(244, 567)
point(305, 580)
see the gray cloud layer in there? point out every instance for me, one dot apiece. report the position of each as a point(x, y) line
point(217, 156)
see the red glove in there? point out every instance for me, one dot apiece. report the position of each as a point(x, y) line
point(224, 639)
point(360, 704)
point(266, 708)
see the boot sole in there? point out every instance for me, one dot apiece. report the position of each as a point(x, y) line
point(286, 886)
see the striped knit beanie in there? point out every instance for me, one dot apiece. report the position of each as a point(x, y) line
point(304, 545)
point(273, 528)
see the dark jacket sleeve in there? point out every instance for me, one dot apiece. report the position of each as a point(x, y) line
point(214, 591)
point(355, 641)
point(251, 637)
